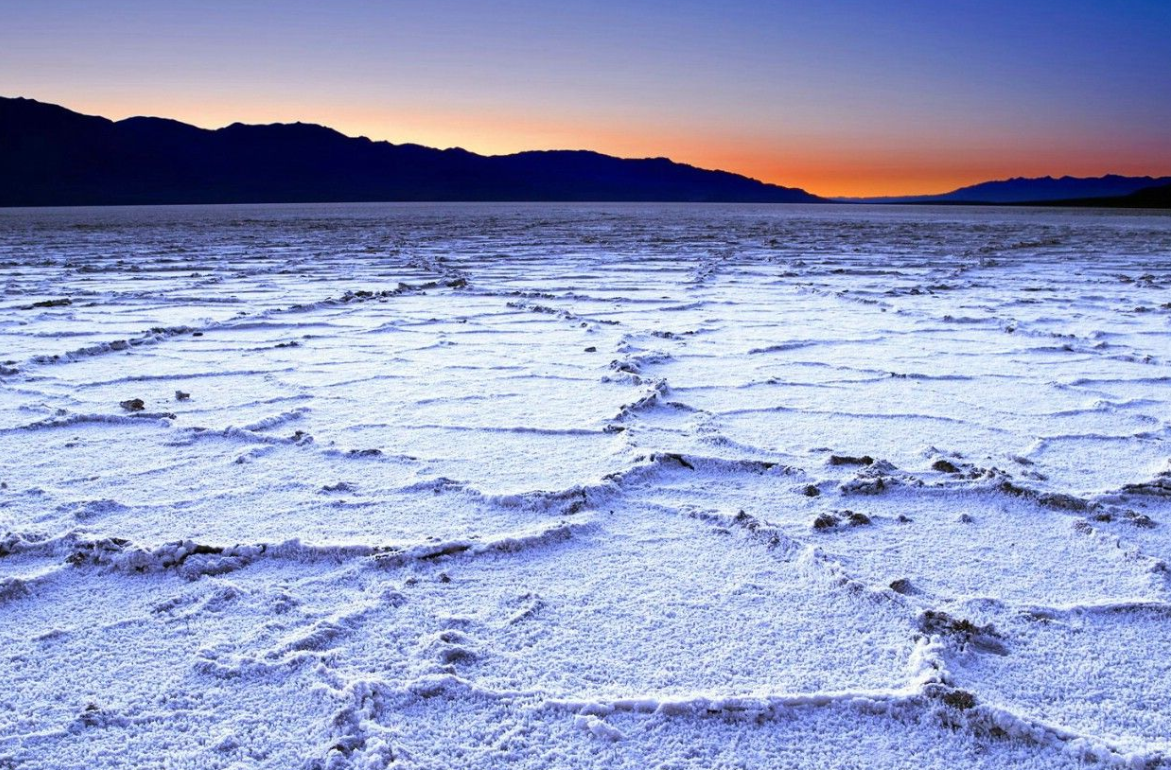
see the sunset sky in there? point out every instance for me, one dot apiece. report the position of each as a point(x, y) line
point(840, 98)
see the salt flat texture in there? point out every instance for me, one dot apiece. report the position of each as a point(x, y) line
point(584, 486)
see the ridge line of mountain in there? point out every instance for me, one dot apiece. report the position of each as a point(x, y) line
point(1046, 190)
point(53, 156)
point(50, 155)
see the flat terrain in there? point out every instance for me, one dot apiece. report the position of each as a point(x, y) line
point(599, 486)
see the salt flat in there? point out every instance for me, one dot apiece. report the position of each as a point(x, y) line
point(473, 486)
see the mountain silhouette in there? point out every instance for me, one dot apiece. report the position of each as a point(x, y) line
point(52, 156)
point(1156, 197)
point(1046, 189)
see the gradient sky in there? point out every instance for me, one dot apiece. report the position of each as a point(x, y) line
point(843, 97)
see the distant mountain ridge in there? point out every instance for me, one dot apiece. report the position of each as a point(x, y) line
point(52, 156)
point(1044, 189)
point(1158, 197)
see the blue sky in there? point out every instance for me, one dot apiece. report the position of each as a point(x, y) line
point(846, 97)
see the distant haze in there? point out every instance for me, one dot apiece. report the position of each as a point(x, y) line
point(848, 98)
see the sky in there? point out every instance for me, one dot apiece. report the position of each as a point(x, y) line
point(840, 97)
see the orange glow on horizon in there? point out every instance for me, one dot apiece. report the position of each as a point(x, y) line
point(826, 166)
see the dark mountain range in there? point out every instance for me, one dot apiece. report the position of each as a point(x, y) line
point(51, 156)
point(1045, 189)
point(1157, 197)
